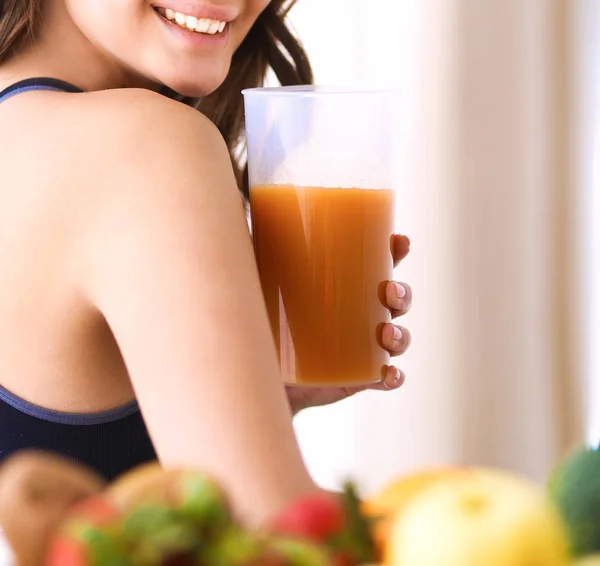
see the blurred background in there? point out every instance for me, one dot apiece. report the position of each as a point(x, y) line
point(499, 190)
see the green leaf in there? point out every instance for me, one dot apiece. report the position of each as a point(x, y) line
point(102, 548)
point(154, 532)
point(358, 538)
point(300, 553)
point(203, 501)
point(233, 547)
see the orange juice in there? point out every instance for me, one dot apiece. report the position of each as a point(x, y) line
point(324, 257)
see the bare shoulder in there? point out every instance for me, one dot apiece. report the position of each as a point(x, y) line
point(134, 107)
point(96, 136)
point(160, 185)
point(146, 150)
point(129, 122)
point(106, 130)
point(127, 143)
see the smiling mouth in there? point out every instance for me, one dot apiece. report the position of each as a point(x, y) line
point(191, 23)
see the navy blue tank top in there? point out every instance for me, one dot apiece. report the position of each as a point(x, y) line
point(110, 442)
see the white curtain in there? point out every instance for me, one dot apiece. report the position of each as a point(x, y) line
point(585, 31)
point(491, 194)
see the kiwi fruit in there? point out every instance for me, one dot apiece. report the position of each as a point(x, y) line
point(36, 491)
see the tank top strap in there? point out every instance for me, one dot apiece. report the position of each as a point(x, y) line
point(38, 83)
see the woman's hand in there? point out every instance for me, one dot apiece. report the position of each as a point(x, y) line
point(396, 340)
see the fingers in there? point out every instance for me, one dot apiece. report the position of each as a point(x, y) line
point(395, 339)
point(398, 297)
point(400, 248)
point(393, 379)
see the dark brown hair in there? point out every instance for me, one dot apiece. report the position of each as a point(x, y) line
point(269, 45)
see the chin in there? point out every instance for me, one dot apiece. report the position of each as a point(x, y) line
point(203, 84)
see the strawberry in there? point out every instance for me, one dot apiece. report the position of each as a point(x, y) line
point(96, 510)
point(66, 552)
point(316, 517)
point(84, 537)
point(92, 547)
point(334, 521)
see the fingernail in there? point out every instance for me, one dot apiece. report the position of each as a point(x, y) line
point(397, 334)
point(400, 290)
point(393, 377)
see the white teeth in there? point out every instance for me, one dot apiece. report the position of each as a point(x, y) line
point(192, 23)
point(203, 25)
point(214, 27)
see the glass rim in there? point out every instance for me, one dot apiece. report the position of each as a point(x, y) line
point(316, 90)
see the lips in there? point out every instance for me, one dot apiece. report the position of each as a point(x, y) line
point(200, 11)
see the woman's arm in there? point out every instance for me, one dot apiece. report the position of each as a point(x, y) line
point(169, 263)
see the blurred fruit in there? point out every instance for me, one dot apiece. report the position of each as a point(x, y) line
point(36, 490)
point(299, 552)
point(575, 488)
point(135, 485)
point(383, 507)
point(235, 547)
point(488, 518)
point(177, 517)
point(86, 537)
point(334, 521)
point(591, 560)
point(356, 545)
point(192, 493)
point(316, 516)
point(151, 533)
point(155, 534)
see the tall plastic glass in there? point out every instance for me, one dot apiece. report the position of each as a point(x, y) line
point(322, 210)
